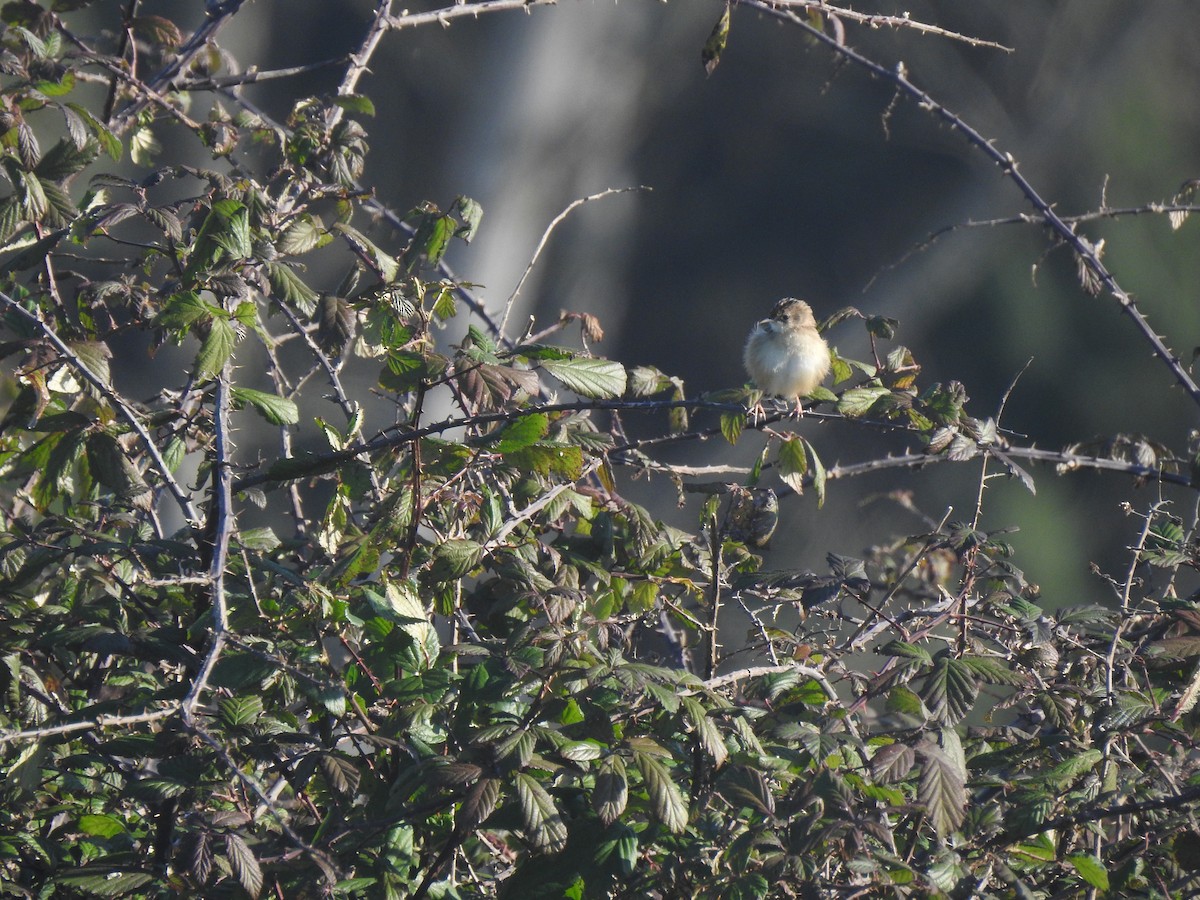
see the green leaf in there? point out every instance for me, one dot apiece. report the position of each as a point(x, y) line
point(355, 103)
point(275, 409)
point(646, 381)
point(95, 356)
point(818, 474)
point(544, 824)
point(471, 214)
point(858, 401)
point(109, 141)
point(665, 798)
point(548, 459)
point(182, 311)
point(455, 558)
point(304, 233)
point(143, 146)
point(793, 463)
point(101, 826)
point(941, 789)
point(598, 379)
point(382, 264)
point(718, 38)
point(732, 425)
point(611, 793)
point(238, 711)
point(706, 730)
point(1090, 870)
point(581, 751)
point(950, 690)
point(290, 288)
point(215, 350)
point(245, 866)
point(1069, 770)
point(522, 432)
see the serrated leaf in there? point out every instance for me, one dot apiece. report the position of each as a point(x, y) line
point(340, 772)
point(599, 379)
point(304, 233)
point(1090, 870)
point(182, 311)
point(480, 802)
point(1069, 770)
point(216, 349)
point(402, 604)
point(109, 141)
point(665, 798)
point(245, 866)
point(382, 264)
point(471, 214)
point(612, 790)
point(706, 731)
point(906, 650)
point(290, 288)
point(646, 381)
point(544, 824)
point(993, 671)
point(950, 689)
point(275, 409)
point(893, 762)
point(238, 711)
point(731, 426)
point(95, 356)
point(455, 558)
point(581, 751)
point(941, 790)
point(522, 432)
point(793, 463)
point(548, 459)
point(355, 103)
point(858, 401)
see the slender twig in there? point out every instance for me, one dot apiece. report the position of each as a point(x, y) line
point(254, 76)
point(714, 600)
point(95, 722)
point(118, 402)
point(573, 205)
point(445, 15)
point(362, 57)
point(1104, 212)
point(881, 21)
point(221, 528)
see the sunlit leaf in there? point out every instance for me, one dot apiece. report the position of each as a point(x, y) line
point(275, 409)
point(595, 378)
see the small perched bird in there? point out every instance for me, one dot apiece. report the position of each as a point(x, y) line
point(785, 354)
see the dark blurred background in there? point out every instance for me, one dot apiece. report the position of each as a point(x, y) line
point(778, 176)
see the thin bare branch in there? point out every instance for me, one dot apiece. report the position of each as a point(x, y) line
point(904, 21)
point(448, 14)
point(573, 205)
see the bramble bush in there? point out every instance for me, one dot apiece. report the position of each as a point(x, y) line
point(345, 652)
